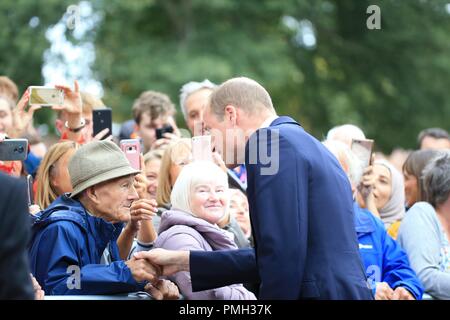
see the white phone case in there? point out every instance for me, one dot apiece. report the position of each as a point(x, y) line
point(46, 96)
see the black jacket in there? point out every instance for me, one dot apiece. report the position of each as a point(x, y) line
point(15, 281)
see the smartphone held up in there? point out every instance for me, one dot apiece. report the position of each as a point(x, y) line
point(45, 96)
point(201, 148)
point(160, 132)
point(363, 149)
point(132, 150)
point(102, 119)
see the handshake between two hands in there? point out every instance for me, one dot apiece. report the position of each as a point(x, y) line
point(151, 265)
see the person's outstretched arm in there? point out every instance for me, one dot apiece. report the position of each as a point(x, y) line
point(208, 270)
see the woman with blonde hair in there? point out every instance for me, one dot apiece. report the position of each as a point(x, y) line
point(53, 177)
point(152, 166)
point(176, 156)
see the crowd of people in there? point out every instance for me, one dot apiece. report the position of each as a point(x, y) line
point(333, 226)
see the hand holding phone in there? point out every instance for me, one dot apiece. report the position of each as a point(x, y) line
point(102, 119)
point(160, 132)
point(132, 150)
point(201, 148)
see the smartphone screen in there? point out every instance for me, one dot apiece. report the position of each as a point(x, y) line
point(363, 150)
point(102, 119)
point(201, 148)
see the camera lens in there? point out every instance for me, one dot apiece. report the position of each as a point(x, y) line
point(18, 149)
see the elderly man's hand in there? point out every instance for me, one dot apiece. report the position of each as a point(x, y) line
point(140, 184)
point(383, 291)
point(401, 293)
point(143, 209)
point(170, 261)
point(143, 270)
point(163, 290)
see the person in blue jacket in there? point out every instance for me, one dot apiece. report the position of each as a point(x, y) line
point(70, 236)
point(387, 267)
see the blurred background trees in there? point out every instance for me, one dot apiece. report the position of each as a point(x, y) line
point(320, 63)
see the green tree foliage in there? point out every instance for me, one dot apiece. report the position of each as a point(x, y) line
point(391, 81)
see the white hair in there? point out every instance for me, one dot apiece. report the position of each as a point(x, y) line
point(192, 175)
point(191, 87)
point(348, 160)
point(345, 133)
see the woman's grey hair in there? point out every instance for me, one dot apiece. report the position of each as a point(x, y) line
point(191, 87)
point(192, 175)
point(436, 176)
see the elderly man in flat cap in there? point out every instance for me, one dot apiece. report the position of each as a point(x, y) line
point(70, 236)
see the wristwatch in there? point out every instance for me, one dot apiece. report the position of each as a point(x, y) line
point(82, 125)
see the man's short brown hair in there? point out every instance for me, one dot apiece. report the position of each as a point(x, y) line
point(243, 93)
point(156, 104)
point(8, 88)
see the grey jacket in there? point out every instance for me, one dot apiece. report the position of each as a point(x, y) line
point(422, 237)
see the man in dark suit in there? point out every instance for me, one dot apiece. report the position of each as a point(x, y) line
point(300, 206)
point(15, 280)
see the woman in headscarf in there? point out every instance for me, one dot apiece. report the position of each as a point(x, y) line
point(382, 193)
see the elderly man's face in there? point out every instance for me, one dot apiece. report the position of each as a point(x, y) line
point(195, 104)
point(114, 198)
